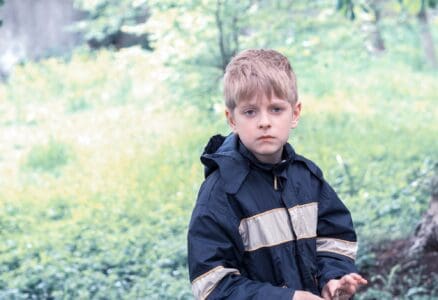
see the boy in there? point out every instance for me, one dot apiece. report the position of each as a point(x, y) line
point(266, 225)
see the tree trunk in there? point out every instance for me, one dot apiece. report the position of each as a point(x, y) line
point(426, 235)
point(34, 29)
point(426, 38)
point(228, 32)
point(374, 43)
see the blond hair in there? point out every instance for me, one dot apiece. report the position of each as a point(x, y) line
point(257, 72)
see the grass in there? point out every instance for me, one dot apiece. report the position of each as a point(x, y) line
point(49, 157)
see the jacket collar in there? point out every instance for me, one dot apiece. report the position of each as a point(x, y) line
point(277, 169)
point(234, 161)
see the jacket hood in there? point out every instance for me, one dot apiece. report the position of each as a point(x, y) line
point(221, 153)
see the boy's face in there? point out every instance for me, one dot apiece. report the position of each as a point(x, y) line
point(263, 125)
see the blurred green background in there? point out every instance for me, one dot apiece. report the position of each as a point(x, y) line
point(100, 145)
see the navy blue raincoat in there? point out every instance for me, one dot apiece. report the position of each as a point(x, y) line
point(261, 231)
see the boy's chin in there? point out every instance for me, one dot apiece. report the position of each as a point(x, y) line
point(268, 156)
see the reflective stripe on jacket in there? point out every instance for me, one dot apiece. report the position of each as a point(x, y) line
point(261, 231)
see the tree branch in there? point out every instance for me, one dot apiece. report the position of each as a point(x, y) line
point(220, 28)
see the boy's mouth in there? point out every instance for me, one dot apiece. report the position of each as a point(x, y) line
point(266, 137)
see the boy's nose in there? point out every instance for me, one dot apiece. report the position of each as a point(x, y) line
point(264, 121)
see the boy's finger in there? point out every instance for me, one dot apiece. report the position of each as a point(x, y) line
point(347, 279)
point(349, 284)
point(359, 278)
point(354, 279)
point(332, 287)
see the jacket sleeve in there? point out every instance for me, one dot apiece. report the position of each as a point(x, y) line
point(336, 242)
point(215, 253)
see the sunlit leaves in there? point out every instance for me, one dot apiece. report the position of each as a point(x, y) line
point(107, 17)
point(415, 6)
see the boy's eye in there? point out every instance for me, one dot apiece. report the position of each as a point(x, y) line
point(249, 112)
point(276, 109)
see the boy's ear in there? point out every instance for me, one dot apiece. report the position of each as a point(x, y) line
point(230, 118)
point(296, 112)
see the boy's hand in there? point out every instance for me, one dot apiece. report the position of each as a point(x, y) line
point(343, 288)
point(303, 295)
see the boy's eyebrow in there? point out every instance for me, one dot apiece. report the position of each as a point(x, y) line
point(245, 103)
point(248, 105)
point(253, 102)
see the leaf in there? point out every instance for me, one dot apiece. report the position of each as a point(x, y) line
point(416, 290)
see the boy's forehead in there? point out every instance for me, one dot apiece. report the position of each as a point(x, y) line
point(259, 98)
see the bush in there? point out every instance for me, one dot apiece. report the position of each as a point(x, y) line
point(48, 157)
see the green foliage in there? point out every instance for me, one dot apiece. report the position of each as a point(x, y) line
point(118, 240)
point(362, 9)
point(347, 8)
point(48, 157)
point(78, 86)
point(196, 39)
point(352, 8)
point(402, 283)
point(416, 6)
point(106, 18)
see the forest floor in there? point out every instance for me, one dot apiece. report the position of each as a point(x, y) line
point(393, 270)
